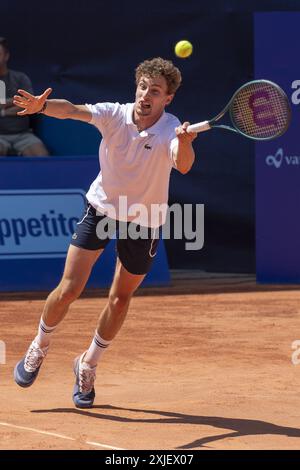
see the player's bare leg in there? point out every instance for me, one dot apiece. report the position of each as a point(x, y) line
point(114, 313)
point(79, 264)
point(78, 267)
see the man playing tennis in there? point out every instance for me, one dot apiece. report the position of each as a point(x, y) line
point(141, 144)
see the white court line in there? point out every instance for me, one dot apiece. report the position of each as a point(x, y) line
point(103, 445)
point(38, 431)
point(61, 436)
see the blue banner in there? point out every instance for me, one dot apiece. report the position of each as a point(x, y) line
point(41, 200)
point(278, 161)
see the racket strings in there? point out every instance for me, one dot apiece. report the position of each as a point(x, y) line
point(260, 110)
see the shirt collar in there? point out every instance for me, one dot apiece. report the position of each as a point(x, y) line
point(154, 129)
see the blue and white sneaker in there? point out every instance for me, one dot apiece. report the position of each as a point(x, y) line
point(84, 392)
point(26, 371)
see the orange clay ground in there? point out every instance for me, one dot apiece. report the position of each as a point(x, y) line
point(202, 364)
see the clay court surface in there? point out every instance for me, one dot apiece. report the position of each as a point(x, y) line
point(203, 364)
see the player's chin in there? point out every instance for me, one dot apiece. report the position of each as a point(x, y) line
point(144, 111)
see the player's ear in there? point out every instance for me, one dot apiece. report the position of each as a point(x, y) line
point(169, 99)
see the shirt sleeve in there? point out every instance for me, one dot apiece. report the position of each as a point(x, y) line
point(102, 114)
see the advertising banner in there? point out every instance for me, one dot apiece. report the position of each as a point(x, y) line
point(41, 201)
point(278, 161)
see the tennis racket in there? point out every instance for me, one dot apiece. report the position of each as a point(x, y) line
point(259, 110)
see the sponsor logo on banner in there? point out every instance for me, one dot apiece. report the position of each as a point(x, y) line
point(279, 159)
point(296, 94)
point(38, 223)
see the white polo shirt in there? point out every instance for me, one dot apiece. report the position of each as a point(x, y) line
point(133, 183)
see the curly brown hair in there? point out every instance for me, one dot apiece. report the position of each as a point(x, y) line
point(160, 67)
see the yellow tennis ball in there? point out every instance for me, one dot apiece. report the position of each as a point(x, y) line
point(183, 49)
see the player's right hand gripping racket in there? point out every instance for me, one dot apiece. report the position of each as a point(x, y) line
point(259, 110)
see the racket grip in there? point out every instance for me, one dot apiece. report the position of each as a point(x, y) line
point(199, 127)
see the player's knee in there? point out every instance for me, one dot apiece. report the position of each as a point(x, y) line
point(119, 301)
point(68, 292)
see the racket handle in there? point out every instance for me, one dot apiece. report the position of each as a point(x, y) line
point(199, 127)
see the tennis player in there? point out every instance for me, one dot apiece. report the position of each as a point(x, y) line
point(141, 143)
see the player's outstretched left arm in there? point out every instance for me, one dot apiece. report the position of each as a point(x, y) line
point(60, 109)
point(183, 153)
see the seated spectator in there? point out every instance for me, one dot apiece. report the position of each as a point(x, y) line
point(16, 136)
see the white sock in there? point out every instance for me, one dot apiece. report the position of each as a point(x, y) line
point(97, 347)
point(44, 334)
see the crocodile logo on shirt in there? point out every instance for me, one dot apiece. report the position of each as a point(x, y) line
point(147, 147)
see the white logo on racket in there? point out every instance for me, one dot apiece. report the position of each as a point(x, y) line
point(276, 159)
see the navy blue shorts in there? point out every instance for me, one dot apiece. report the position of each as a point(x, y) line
point(136, 245)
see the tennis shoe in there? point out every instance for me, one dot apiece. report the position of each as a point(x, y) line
point(26, 371)
point(84, 391)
